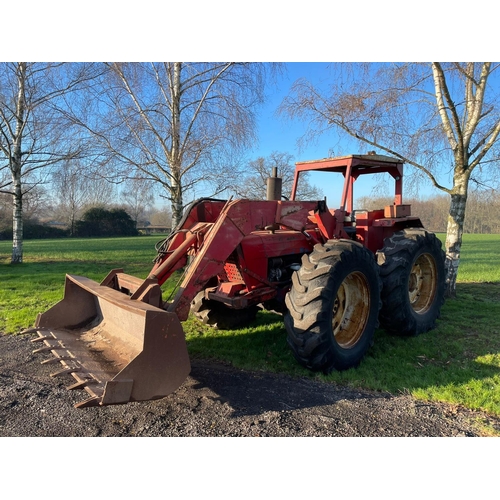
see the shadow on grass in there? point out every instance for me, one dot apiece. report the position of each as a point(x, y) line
point(458, 362)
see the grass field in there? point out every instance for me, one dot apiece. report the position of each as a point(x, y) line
point(458, 362)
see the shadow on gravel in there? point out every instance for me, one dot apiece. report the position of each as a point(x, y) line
point(246, 393)
point(253, 393)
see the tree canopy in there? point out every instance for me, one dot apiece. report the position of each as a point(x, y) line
point(34, 135)
point(175, 123)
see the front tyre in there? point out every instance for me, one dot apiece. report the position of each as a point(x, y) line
point(413, 277)
point(333, 306)
point(217, 315)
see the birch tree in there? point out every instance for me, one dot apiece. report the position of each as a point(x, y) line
point(443, 119)
point(177, 124)
point(33, 136)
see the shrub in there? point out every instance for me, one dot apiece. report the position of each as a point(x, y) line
point(101, 222)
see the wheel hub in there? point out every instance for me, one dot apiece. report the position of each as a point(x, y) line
point(351, 309)
point(422, 283)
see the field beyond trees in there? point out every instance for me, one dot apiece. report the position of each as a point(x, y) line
point(458, 362)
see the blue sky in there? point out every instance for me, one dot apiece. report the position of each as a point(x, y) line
point(278, 134)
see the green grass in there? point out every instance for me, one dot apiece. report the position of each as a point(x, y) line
point(479, 258)
point(38, 283)
point(458, 362)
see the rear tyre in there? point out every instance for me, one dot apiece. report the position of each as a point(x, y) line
point(333, 306)
point(219, 316)
point(413, 277)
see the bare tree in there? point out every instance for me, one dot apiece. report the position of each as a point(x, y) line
point(99, 192)
point(253, 182)
point(483, 214)
point(33, 136)
point(177, 123)
point(441, 118)
point(35, 203)
point(75, 189)
point(138, 198)
point(160, 216)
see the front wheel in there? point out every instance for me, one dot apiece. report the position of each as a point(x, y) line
point(219, 316)
point(333, 306)
point(413, 277)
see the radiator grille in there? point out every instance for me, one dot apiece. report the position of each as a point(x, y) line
point(231, 270)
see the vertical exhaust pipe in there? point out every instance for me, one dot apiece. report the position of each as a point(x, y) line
point(274, 184)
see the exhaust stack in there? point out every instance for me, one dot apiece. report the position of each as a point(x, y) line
point(274, 186)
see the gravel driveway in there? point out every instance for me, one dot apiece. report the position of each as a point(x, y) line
point(216, 400)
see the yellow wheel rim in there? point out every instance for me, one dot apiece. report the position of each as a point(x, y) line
point(351, 310)
point(422, 283)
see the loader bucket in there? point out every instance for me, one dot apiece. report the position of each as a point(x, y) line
point(117, 349)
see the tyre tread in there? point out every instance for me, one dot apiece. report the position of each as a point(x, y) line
point(307, 317)
point(395, 261)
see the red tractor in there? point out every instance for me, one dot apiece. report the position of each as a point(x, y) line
point(332, 273)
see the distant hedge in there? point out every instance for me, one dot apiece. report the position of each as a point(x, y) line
point(36, 232)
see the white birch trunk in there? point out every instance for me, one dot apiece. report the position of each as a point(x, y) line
point(17, 222)
point(454, 232)
point(16, 169)
point(176, 158)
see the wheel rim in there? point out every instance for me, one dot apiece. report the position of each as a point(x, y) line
point(351, 310)
point(422, 283)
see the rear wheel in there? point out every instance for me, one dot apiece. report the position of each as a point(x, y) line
point(413, 278)
point(333, 306)
point(219, 316)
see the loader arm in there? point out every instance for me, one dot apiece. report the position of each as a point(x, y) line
point(222, 238)
point(211, 243)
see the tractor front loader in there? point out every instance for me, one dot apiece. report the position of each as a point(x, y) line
point(332, 273)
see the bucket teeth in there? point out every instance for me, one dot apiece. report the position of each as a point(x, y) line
point(51, 361)
point(89, 403)
point(85, 379)
point(47, 348)
point(34, 330)
point(81, 385)
point(40, 339)
point(65, 371)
